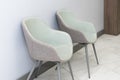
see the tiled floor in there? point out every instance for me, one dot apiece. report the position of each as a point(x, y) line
point(108, 50)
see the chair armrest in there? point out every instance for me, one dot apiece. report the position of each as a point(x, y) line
point(59, 38)
point(88, 26)
point(82, 26)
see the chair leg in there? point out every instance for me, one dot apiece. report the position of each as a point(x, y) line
point(71, 72)
point(29, 76)
point(58, 69)
point(95, 53)
point(87, 60)
point(39, 66)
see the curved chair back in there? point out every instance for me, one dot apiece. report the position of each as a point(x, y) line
point(78, 30)
point(37, 36)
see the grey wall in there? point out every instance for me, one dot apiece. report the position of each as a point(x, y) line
point(14, 57)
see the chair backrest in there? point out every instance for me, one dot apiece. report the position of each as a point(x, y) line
point(37, 28)
point(67, 19)
point(66, 16)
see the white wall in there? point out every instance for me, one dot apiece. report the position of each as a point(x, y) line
point(14, 58)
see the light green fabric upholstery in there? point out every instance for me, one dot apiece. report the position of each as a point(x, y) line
point(58, 44)
point(68, 19)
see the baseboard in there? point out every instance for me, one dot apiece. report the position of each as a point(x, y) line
point(46, 66)
point(100, 33)
point(24, 77)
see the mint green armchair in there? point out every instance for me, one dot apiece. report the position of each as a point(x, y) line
point(46, 44)
point(80, 32)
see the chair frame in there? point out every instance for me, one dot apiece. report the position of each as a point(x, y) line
point(87, 57)
point(58, 69)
